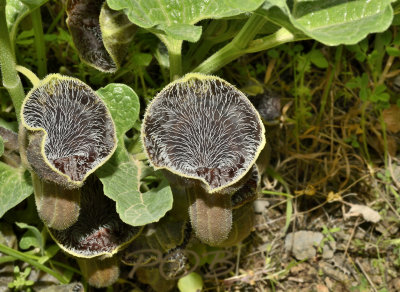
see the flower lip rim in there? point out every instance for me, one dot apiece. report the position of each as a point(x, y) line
point(115, 64)
point(208, 188)
point(105, 254)
point(45, 80)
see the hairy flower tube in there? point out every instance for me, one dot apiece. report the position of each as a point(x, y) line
point(67, 134)
point(206, 135)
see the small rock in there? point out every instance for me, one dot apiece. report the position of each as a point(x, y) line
point(7, 236)
point(322, 288)
point(73, 287)
point(333, 273)
point(302, 243)
point(367, 213)
point(386, 227)
point(395, 284)
point(377, 280)
point(6, 277)
point(329, 283)
point(260, 206)
point(297, 269)
point(327, 253)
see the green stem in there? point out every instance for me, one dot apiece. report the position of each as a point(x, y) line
point(363, 127)
point(28, 74)
point(210, 31)
point(21, 256)
point(249, 31)
point(219, 59)
point(217, 32)
point(55, 21)
point(235, 48)
point(231, 52)
point(266, 192)
point(11, 80)
point(39, 42)
point(331, 74)
point(385, 141)
point(279, 37)
point(175, 56)
point(175, 59)
point(6, 259)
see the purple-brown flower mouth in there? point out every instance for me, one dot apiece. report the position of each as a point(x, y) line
point(202, 127)
point(80, 132)
point(98, 230)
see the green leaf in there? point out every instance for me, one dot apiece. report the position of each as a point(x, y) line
point(34, 3)
point(332, 22)
point(393, 51)
point(12, 126)
point(51, 251)
point(141, 59)
point(31, 238)
point(182, 31)
point(177, 18)
point(15, 186)
point(121, 180)
point(278, 12)
point(123, 104)
point(121, 174)
point(190, 283)
point(28, 240)
point(318, 59)
point(16, 10)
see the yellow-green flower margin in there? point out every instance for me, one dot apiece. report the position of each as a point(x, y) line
point(47, 79)
point(102, 254)
point(206, 77)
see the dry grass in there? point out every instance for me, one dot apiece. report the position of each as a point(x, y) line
point(329, 151)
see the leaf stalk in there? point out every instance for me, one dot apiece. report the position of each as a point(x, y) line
point(174, 47)
point(243, 44)
point(10, 78)
point(39, 42)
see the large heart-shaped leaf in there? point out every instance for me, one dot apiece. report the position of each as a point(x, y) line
point(124, 107)
point(177, 18)
point(15, 186)
point(121, 174)
point(15, 11)
point(121, 180)
point(18, 9)
point(331, 22)
point(278, 12)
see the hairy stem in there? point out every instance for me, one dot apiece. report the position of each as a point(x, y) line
point(100, 273)
point(175, 56)
point(175, 59)
point(28, 74)
point(57, 207)
point(39, 42)
point(10, 78)
point(210, 215)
